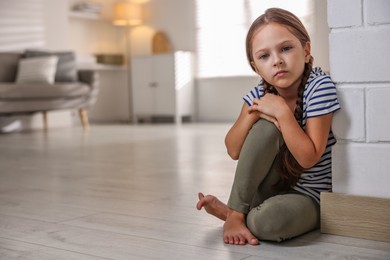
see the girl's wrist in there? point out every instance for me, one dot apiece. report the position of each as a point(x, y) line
point(252, 117)
point(284, 113)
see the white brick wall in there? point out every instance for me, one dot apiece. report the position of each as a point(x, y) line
point(349, 122)
point(344, 13)
point(360, 65)
point(361, 169)
point(377, 11)
point(378, 114)
point(360, 54)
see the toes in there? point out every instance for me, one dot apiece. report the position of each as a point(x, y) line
point(237, 240)
point(199, 205)
point(253, 241)
point(230, 241)
point(226, 240)
point(250, 238)
point(242, 240)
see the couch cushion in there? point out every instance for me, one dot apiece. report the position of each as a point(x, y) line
point(66, 67)
point(37, 70)
point(11, 91)
point(9, 66)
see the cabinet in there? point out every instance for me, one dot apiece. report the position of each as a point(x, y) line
point(163, 86)
point(112, 104)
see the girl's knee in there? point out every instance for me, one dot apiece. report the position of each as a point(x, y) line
point(280, 218)
point(267, 223)
point(266, 130)
point(265, 125)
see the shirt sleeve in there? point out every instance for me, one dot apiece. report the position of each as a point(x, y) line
point(323, 98)
point(256, 92)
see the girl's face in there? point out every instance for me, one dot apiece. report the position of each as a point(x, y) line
point(279, 57)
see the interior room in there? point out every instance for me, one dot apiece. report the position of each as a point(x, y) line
point(114, 113)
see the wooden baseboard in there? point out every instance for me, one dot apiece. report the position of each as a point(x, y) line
point(355, 216)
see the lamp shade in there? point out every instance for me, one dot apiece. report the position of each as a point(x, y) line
point(127, 14)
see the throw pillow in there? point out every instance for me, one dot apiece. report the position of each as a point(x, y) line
point(37, 70)
point(66, 66)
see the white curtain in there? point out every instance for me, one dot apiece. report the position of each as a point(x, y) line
point(21, 24)
point(221, 30)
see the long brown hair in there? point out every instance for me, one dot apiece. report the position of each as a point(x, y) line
point(290, 168)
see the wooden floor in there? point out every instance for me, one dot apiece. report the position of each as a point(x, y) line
point(129, 192)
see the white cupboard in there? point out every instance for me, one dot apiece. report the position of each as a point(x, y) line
point(113, 102)
point(163, 86)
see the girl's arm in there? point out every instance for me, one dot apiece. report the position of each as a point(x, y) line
point(306, 146)
point(236, 136)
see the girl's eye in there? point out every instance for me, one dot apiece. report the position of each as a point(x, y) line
point(263, 56)
point(286, 48)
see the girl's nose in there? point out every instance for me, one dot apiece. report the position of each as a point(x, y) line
point(278, 60)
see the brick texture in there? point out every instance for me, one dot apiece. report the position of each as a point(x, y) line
point(349, 122)
point(344, 13)
point(360, 55)
point(361, 169)
point(377, 11)
point(378, 114)
point(360, 66)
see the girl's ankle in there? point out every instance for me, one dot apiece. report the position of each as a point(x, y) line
point(235, 214)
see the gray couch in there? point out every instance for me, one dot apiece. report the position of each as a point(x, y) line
point(72, 89)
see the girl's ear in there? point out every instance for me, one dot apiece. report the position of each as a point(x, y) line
point(307, 52)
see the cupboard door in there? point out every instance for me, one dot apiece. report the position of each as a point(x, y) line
point(164, 77)
point(113, 100)
point(143, 88)
point(162, 85)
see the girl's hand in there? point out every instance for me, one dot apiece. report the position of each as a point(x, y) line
point(269, 107)
point(266, 117)
point(269, 104)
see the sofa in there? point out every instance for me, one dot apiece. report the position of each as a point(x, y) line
point(40, 81)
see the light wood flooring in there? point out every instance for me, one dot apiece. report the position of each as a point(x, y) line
point(129, 192)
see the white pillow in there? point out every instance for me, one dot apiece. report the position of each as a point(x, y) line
point(37, 70)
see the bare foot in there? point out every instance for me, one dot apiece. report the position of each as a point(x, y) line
point(235, 231)
point(213, 206)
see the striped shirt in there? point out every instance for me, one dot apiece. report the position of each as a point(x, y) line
point(319, 98)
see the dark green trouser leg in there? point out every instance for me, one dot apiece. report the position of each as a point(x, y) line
point(255, 163)
point(273, 215)
point(284, 216)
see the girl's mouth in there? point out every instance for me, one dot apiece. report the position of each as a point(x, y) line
point(280, 73)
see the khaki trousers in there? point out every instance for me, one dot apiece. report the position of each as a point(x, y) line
point(271, 214)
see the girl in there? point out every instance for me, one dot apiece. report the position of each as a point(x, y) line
point(282, 138)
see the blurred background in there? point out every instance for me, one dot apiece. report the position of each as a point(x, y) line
point(212, 33)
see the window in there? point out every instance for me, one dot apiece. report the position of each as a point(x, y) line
point(221, 30)
point(21, 25)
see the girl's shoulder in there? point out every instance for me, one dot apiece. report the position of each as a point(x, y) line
point(316, 74)
point(318, 79)
point(320, 95)
point(255, 92)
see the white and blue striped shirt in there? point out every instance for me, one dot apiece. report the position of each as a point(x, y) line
point(319, 98)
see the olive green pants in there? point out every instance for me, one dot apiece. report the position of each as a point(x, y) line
point(271, 214)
